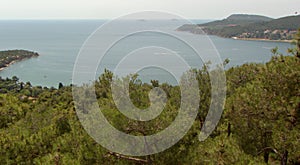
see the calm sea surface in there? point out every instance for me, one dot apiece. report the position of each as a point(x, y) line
point(58, 43)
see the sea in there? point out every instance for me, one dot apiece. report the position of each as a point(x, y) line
point(59, 43)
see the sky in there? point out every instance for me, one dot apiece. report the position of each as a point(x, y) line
point(108, 9)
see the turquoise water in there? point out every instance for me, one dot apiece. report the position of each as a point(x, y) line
point(58, 43)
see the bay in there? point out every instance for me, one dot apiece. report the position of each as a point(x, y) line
point(58, 42)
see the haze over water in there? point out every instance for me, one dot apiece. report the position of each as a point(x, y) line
point(58, 43)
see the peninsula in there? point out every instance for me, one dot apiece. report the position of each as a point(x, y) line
point(9, 57)
point(249, 27)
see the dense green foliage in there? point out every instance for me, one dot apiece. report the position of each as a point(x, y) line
point(260, 122)
point(10, 56)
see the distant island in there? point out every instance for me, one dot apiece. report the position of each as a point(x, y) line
point(9, 57)
point(249, 27)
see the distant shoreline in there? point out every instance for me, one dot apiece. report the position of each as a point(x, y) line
point(262, 39)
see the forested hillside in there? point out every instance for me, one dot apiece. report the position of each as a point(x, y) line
point(237, 19)
point(244, 26)
point(260, 123)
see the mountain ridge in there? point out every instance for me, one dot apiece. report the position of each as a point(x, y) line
point(238, 19)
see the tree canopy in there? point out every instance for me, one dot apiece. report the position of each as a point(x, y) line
point(260, 123)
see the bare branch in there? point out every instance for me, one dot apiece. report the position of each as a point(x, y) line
point(128, 158)
point(269, 149)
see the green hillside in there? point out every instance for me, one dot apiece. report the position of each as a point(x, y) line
point(260, 123)
point(291, 23)
point(243, 26)
point(237, 19)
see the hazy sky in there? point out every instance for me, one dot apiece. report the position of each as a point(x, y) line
point(103, 9)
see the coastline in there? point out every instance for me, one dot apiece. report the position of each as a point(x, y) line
point(9, 57)
point(262, 39)
point(7, 65)
point(245, 39)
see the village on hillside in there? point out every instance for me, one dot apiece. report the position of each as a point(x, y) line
point(269, 34)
